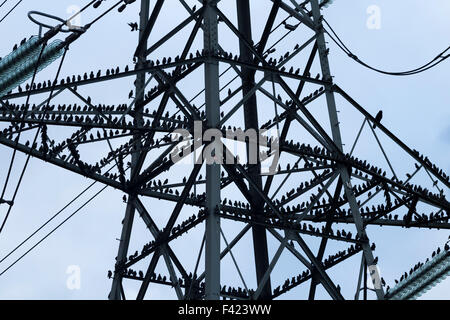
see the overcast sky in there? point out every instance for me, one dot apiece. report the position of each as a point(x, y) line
point(407, 34)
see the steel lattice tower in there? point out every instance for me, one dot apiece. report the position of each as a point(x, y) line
point(339, 190)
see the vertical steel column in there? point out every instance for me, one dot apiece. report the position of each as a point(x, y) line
point(251, 122)
point(334, 121)
point(212, 102)
point(326, 73)
point(365, 280)
point(115, 293)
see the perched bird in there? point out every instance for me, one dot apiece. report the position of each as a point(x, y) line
point(10, 203)
point(134, 26)
point(289, 26)
point(378, 118)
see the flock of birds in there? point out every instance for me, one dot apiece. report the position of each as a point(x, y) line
point(179, 65)
point(289, 223)
point(189, 282)
point(241, 293)
point(175, 232)
point(364, 166)
point(290, 283)
point(90, 116)
point(306, 275)
point(419, 266)
point(320, 156)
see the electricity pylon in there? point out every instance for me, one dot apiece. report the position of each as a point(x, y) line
point(331, 187)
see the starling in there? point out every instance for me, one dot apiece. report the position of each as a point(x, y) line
point(134, 26)
point(378, 118)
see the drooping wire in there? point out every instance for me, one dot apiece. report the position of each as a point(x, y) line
point(441, 57)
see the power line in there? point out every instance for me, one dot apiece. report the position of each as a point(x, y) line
point(13, 157)
point(1, 5)
point(54, 229)
point(441, 57)
point(104, 13)
point(52, 218)
point(48, 221)
point(35, 137)
point(48, 103)
point(4, 17)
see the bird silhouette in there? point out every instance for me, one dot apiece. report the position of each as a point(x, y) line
point(134, 26)
point(378, 118)
point(10, 203)
point(289, 27)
